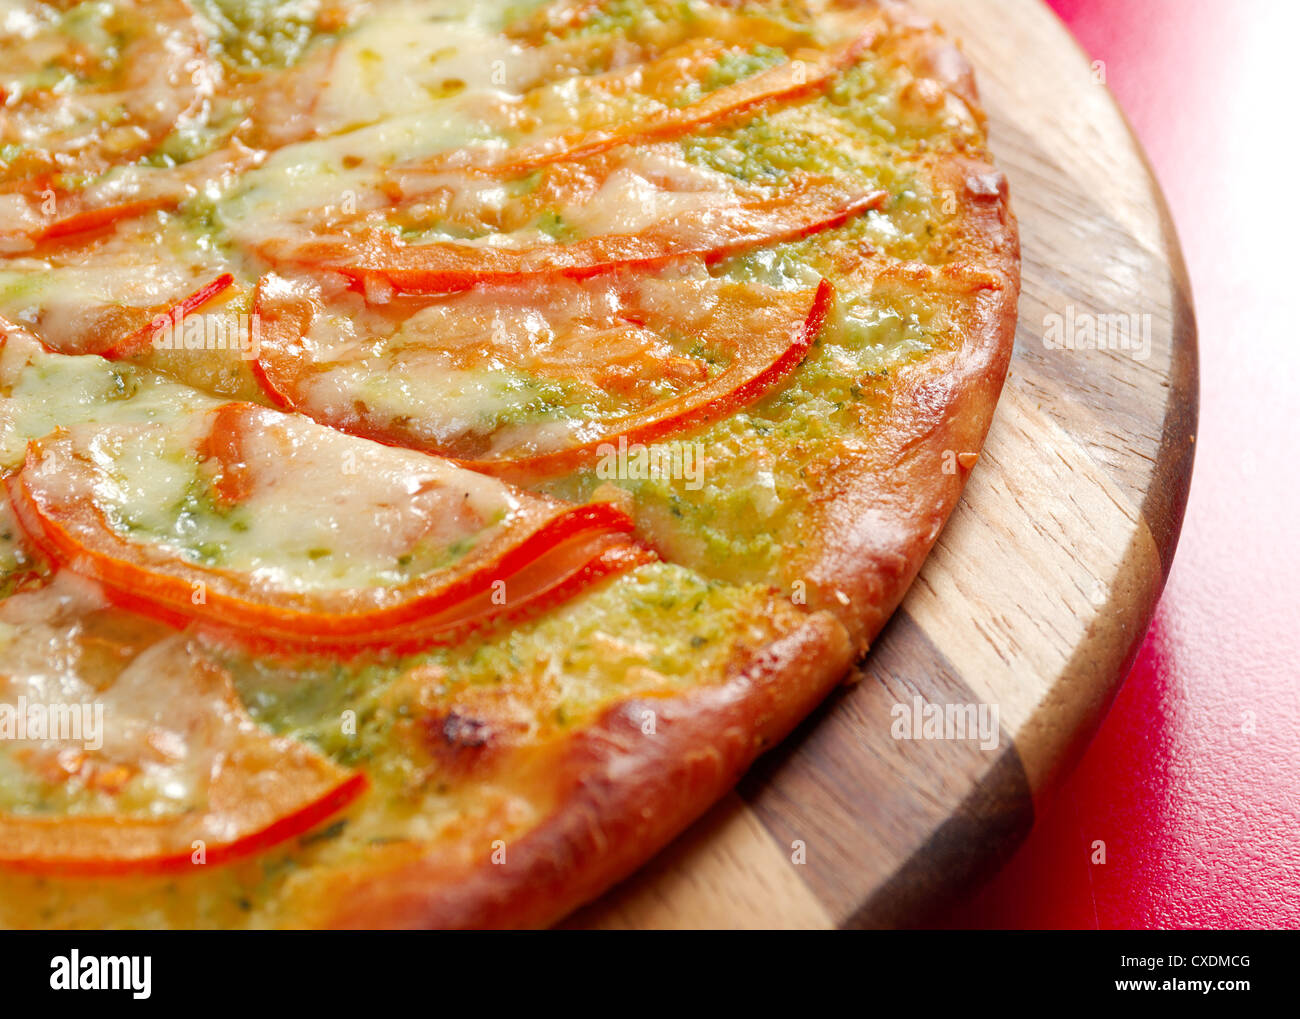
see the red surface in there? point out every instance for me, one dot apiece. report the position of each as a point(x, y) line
point(1199, 815)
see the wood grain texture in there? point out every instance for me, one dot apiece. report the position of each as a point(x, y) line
point(1039, 590)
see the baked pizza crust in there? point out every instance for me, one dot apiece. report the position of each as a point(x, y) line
point(881, 515)
point(616, 794)
point(620, 795)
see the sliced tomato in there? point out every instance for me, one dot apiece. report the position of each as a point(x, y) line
point(302, 484)
point(147, 69)
point(117, 330)
point(85, 220)
point(114, 197)
point(376, 259)
point(550, 580)
point(806, 72)
point(27, 227)
point(609, 338)
point(171, 721)
point(140, 340)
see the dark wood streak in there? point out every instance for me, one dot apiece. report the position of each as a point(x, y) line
point(861, 801)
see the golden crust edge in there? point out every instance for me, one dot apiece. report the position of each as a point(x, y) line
point(861, 578)
point(620, 796)
point(878, 529)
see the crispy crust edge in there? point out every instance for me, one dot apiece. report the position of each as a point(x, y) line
point(880, 525)
point(621, 795)
point(882, 517)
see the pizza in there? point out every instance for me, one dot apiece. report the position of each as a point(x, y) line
point(444, 442)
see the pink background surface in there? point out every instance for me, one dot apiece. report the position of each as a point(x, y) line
point(1201, 815)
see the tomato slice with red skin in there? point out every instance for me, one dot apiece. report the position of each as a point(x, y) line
point(114, 846)
point(754, 372)
point(552, 579)
point(141, 340)
point(83, 215)
point(375, 259)
point(239, 789)
point(119, 331)
point(285, 320)
point(804, 73)
point(154, 69)
point(763, 352)
point(84, 219)
point(534, 549)
point(98, 217)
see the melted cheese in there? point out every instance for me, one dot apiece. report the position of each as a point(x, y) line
point(409, 57)
point(48, 391)
point(531, 368)
point(325, 510)
point(319, 179)
point(141, 741)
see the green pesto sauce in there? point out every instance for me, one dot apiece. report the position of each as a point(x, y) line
point(734, 66)
point(749, 517)
point(28, 793)
point(195, 524)
point(661, 625)
point(635, 19)
point(192, 521)
point(18, 562)
point(657, 630)
point(260, 34)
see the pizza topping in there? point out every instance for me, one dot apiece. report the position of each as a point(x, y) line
point(709, 225)
point(455, 102)
point(605, 27)
point(136, 748)
point(45, 391)
point(119, 331)
point(98, 85)
point(117, 311)
point(654, 91)
point(94, 218)
point(488, 377)
point(143, 337)
point(274, 526)
point(460, 214)
point(21, 566)
point(39, 218)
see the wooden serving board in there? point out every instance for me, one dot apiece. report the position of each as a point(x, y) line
point(1040, 588)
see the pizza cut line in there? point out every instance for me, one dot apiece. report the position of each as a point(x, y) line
point(320, 325)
